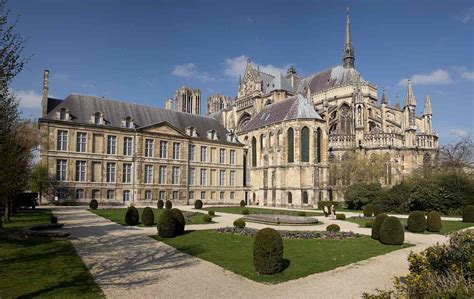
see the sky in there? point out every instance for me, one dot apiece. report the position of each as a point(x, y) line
point(142, 51)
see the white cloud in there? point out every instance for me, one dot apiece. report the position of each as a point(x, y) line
point(459, 132)
point(28, 99)
point(184, 70)
point(467, 16)
point(467, 75)
point(436, 77)
point(234, 67)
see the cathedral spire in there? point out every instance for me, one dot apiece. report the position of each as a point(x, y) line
point(384, 97)
point(348, 56)
point(397, 102)
point(427, 108)
point(410, 98)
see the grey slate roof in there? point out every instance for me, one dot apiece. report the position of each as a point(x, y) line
point(81, 107)
point(330, 78)
point(295, 107)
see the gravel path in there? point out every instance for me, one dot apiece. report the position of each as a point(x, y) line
point(125, 261)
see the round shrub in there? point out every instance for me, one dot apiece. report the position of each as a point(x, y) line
point(378, 209)
point(132, 217)
point(369, 223)
point(341, 216)
point(392, 232)
point(148, 218)
point(93, 204)
point(181, 222)
point(240, 223)
point(167, 225)
point(160, 204)
point(206, 218)
point(245, 212)
point(333, 228)
point(377, 224)
point(416, 222)
point(433, 222)
point(168, 204)
point(468, 214)
point(242, 203)
point(301, 214)
point(211, 213)
point(198, 204)
point(368, 210)
point(268, 251)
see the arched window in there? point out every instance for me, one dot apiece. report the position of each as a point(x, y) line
point(305, 197)
point(291, 145)
point(305, 144)
point(290, 198)
point(279, 138)
point(318, 145)
point(254, 152)
point(346, 119)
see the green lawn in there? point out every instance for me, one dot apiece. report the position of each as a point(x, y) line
point(48, 269)
point(237, 210)
point(118, 215)
point(302, 257)
point(448, 227)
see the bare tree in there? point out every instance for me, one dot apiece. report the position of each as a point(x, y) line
point(458, 155)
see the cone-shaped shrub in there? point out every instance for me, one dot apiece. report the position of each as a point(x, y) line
point(148, 218)
point(167, 225)
point(242, 203)
point(392, 232)
point(198, 204)
point(368, 210)
point(168, 204)
point(93, 204)
point(132, 217)
point(468, 214)
point(433, 221)
point(416, 222)
point(333, 228)
point(377, 224)
point(178, 215)
point(240, 223)
point(160, 204)
point(268, 251)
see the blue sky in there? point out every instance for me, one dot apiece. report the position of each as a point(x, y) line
point(142, 51)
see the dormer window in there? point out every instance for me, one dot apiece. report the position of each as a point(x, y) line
point(62, 114)
point(212, 134)
point(128, 122)
point(231, 137)
point(191, 131)
point(97, 118)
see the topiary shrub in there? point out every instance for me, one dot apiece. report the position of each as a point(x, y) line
point(468, 214)
point(377, 224)
point(132, 217)
point(369, 223)
point(93, 204)
point(392, 232)
point(301, 214)
point(168, 204)
point(242, 203)
point(245, 212)
point(268, 251)
point(167, 225)
point(54, 220)
point(148, 218)
point(198, 204)
point(416, 222)
point(378, 209)
point(333, 228)
point(211, 213)
point(240, 223)
point(178, 215)
point(206, 218)
point(368, 210)
point(433, 222)
point(341, 216)
point(160, 204)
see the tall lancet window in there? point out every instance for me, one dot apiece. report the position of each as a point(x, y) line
point(346, 120)
point(291, 145)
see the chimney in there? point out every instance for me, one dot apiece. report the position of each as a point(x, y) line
point(44, 100)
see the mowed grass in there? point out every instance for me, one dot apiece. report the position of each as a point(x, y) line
point(238, 210)
point(448, 226)
point(302, 257)
point(43, 269)
point(118, 215)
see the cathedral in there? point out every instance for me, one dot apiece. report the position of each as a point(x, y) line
point(294, 127)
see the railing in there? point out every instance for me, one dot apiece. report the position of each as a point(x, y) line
point(427, 141)
point(242, 104)
point(341, 141)
point(383, 140)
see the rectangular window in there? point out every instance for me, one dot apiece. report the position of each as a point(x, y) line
point(61, 170)
point(163, 149)
point(175, 195)
point(203, 153)
point(62, 140)
point(126, 196)
point(203, 177)
point(110, 172)
point(81, 171)
point(111, 145)
point(192, 176)
point(232, 157)
point(162, 195)
point(232, 179)
point(221, 195)
point(148, 195)
point(81, 142)
point(79, 193)
point(203, 194)
point(176, 148)
point(191, 195)
point(110, 194)
point(222, 178)
point(148, 148)
point(192, 150)
point(148, 174)
point(61, 194)
point(222, 156)
point(127, 173)
point(175, 180)
point(127, 146)
point(162, 178)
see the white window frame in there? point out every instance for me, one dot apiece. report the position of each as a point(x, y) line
point(162, 174)
point(111, 170)
point(222, 178)
point(127, 173)
point(81, 171)
point(163, 149)
point(175, 175)
point(148, 179)
point(203, 177)
point(81, 142)
point(149, 148)
point(176, 150)
point(61, 170)
point(62, 140)
point(127, 146)
point(111, 145)
point(222, 156)
point(232, 157)
point(203, 153)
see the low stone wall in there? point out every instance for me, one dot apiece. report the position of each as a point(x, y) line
point(281, 219)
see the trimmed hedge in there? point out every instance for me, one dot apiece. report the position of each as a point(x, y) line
point(341, 216)
point(240, 223)
point(245, 212)
point(377, 224)
point(378, 209)
point(132, 217)
point(416, 222)
point(468, 214)
point(206, 218)
point(167, 225)
point(93, 204)
point(178, 215)
point(198, 204)
point(148, 218)
point(392, 232)
point(168, 204)
point(433, 222)
point(242, 203)
point(301, 214)
point(211, 213)
point(369, 223)
point(160, 204)
point(368, 210)
point(333, 228)
point(268, 251)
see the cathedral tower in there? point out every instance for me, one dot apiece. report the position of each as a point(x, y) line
point(188, 100)
point(348, 56)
